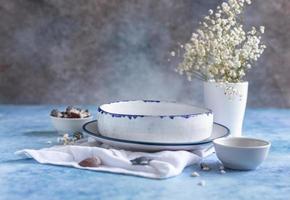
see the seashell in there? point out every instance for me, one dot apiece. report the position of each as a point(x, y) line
point(55, 113)
point(91, 162)
point(71, 112)
point(74, 113)
point(68, 109)
point(195, 174)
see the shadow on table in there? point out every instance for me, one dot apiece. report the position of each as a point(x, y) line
point(18, 161)
point(47, 133)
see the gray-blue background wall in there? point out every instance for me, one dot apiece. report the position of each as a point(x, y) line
point(94, 51)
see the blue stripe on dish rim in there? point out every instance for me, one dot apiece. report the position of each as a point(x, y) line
point(131, 116)
point(206, 141)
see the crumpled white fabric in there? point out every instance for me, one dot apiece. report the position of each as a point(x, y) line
point(164, 164)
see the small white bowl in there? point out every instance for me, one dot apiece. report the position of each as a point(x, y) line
point(69, 125)
point(241, 153)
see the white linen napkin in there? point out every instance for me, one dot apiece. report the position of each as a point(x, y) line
point(164, 164)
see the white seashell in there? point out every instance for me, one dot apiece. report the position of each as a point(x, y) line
point(195, 174)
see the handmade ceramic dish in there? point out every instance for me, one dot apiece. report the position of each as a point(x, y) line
point(218, 131)
point(241, 153)
point(69, 125)
point(154, 121)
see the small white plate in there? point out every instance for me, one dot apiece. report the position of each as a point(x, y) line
point(218, 131)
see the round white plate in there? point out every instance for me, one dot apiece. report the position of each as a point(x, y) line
point(218, 131)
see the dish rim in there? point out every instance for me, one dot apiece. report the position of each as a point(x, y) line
point(71, 119)
point(218, 140)
point(101, 110)
point(206, 141)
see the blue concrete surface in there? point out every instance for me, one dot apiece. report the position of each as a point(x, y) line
point(30, 127)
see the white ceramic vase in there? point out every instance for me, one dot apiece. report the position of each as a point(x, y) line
point(228, 103)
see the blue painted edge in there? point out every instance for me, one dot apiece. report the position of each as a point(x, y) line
point(130, 116)
point(227, 133)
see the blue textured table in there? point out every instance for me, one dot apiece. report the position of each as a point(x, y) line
point(30, 127)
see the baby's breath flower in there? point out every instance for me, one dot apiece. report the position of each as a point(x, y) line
point(221, 49)
point(225, 7)
point(210, 12)
point(232, 2)
point(207, 18)
point(218, 15)
point(262, 29)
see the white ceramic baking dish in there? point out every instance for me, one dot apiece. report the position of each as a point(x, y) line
point(154, 121)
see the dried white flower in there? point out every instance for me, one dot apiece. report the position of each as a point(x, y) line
point(225, 7)
point(206, 168)
point(210, 12)
point(262, 29)
point(220, 49)
point(67, 140)
point(172, 53)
